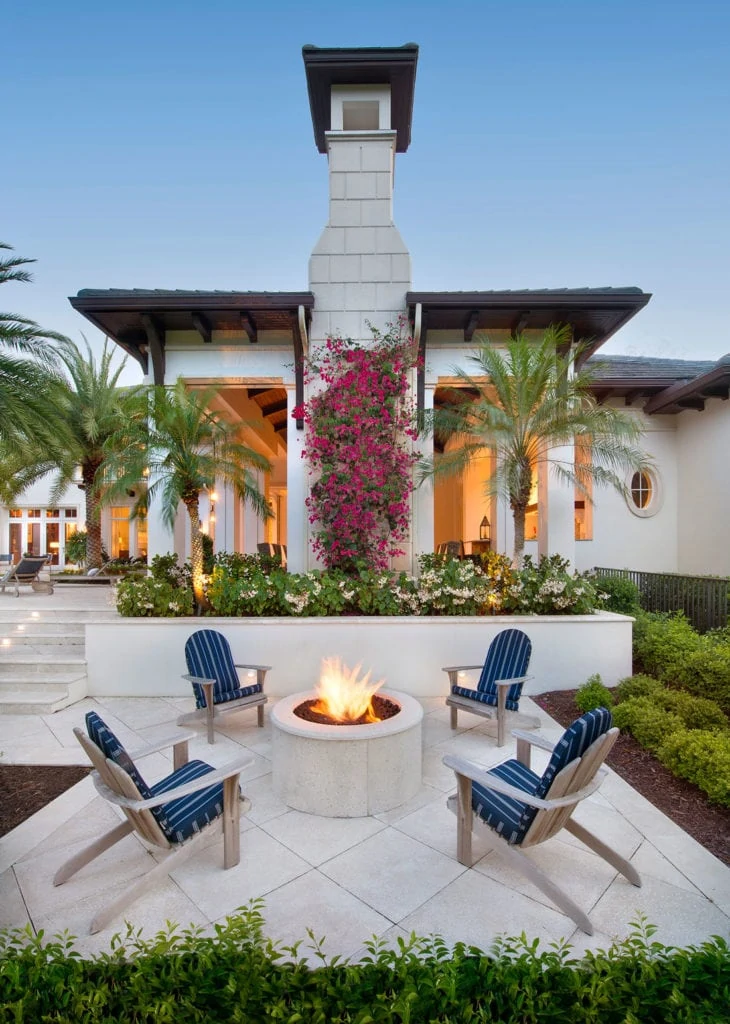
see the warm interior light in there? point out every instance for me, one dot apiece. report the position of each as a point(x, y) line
point(342, 696)
point(214, 496)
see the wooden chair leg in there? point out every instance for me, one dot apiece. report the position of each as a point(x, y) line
point(210, 714)
point(609, 855)
point(538, 877)
point(501, 713)
point(89, 853)
point(454, 717)
point(463, 820)
point(260, 714)
point(231, 822)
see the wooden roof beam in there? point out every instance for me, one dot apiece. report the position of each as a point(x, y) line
point(471, 325)
point(249, 326)
point(201, 323)
point(520, 322)
point(156, 346)
point(271, 410)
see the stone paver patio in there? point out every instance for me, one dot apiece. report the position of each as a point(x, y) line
point(347, 879)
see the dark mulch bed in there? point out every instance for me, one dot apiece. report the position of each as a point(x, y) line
point(25, 788)
point(682, 801)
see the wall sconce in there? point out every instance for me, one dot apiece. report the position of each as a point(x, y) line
point(485, 530)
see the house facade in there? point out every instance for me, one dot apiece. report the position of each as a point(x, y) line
point(253, 346)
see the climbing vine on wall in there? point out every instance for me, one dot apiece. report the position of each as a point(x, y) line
point(360, 428)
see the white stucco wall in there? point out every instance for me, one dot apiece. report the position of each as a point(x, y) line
point(623, 540)
point(703, 455)
point(145, 657)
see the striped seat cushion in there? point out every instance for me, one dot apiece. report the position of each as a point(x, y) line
point(100, 734)
point(508, 817)
point(574, 742)
point(208, 655)
point(488, 697)
point(182, 818)
point(508, 657)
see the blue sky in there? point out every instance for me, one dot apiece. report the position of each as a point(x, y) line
point(169, 144)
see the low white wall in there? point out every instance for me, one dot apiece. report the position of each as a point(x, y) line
point(145, 657)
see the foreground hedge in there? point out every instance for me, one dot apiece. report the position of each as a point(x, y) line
point(241, 976)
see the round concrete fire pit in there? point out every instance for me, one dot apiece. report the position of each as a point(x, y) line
point(346, 771)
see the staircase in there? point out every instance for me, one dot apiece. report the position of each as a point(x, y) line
point(43, 658)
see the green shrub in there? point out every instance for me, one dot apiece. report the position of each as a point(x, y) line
point(705, 672)
point(618, 594)
point(695, 712)
point(647, 723)
point(593, 694)
point(550, 588)
point(240, 975)
point(701, 757)
point(167, 569)
point(662, 643)
point(146, 597)
point(638, 686)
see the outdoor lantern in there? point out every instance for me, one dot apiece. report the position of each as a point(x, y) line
point(484, 529)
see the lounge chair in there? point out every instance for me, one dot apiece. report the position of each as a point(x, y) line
point(26, 574)
point(499, 688)
point(518, 808)
point(172, 814)
point(216, 683)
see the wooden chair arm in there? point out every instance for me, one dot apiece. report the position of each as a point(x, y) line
point(471, 771)
point(460, 668)
point(535, 739)
point(219, 775)
point(512, 681)
point(259, 668)
point(198, 679)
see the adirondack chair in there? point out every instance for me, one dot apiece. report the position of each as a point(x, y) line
point(172, 814)
point(517, 808)
point(216, 684)
point(26, 573)
point(499, 688)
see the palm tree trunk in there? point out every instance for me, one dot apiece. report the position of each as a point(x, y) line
point(93, 519)
point(196, 550)
point(518, 517)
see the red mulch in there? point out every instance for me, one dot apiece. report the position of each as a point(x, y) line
point(683, 802)
point(25, 788)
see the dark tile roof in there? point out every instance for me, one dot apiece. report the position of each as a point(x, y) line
point(648, 367)
point(164, 292)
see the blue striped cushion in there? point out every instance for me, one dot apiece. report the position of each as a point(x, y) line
point(574, 742)
point(508, 817)
point(508, 657)
point(100, 734)
point(208, 655)
point(180, 819)
point(488, 698)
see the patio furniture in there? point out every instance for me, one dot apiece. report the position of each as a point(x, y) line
point(500, 683)
point(451, 549)
point(172, 814)
point(275, 551)
point(26, 573)
point(517, 808)
point(216, 683)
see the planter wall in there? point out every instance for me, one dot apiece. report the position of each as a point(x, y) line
point(145, 657)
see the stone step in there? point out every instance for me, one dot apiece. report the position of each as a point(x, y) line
point(47, 616)
point(47, 643)
point(41, 698)
point(17, 629)
point(23, 667)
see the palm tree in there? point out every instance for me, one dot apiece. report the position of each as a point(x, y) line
point(89, 411)
point(26, 369)
point(530, 402)
point(186, 446)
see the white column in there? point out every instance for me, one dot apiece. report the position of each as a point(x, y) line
point(160, 538)
point(423, 512)
point(224, 517)
point(297, 524)
point(556, 504)
point(504, 534)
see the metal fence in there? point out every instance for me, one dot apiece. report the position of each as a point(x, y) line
point(703, 599)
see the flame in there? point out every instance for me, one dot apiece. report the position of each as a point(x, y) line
point(342, 696)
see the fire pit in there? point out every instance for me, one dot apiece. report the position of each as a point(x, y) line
point(362, 759)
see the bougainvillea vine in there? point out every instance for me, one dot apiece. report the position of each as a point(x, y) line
point(360, 428)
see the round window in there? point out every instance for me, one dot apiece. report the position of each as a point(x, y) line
point(644, 493)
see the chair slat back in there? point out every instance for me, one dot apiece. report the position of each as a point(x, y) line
point(208, 655)
point(143, 822)
point(508, 657)
point(577, 774)
point(28, 567)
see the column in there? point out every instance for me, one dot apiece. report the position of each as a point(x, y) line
point(556, 505)
point(297, 524)
point(423, 513)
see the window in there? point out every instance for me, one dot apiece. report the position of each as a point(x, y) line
point(641, 489)
point(582, 502)
point(644, 493)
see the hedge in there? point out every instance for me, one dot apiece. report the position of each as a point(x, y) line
point(240, 976)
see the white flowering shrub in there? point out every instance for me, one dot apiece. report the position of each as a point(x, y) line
point(145, 597)
point(550, 588)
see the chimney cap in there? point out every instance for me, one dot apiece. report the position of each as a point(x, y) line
point(368, 65)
